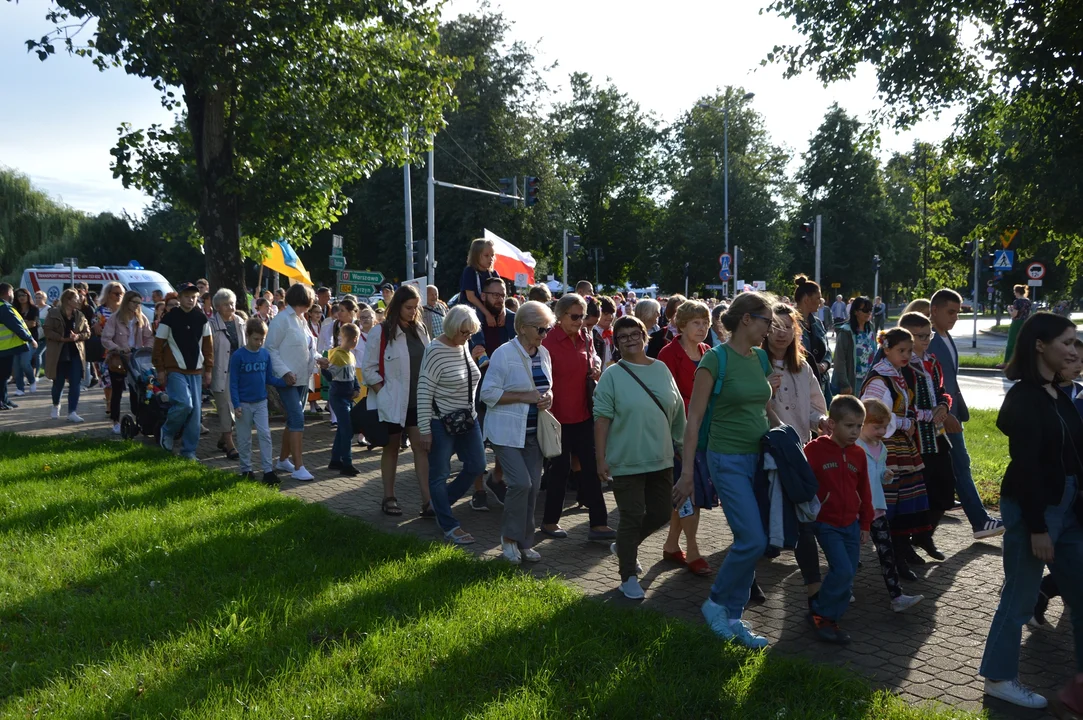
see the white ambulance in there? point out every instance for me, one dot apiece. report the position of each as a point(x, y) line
point(54, 279)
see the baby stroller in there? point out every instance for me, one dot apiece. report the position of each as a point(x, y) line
point(150, 404)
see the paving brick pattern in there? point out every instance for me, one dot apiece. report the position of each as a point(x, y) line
point(931, 653)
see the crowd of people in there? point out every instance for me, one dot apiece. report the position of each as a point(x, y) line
point(678, 406)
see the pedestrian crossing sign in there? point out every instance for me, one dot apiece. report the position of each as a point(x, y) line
point(1003, 259)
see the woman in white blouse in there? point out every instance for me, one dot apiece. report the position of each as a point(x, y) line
point(513, 395)
point(293, 358)
point(798, 402)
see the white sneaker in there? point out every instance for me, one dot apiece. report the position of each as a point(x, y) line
point(55, 414)
point(511, 552)
point(302, 474)
point(116, 428)
point(905, 602)
point(631, 589)
point(74, 418)
point(18, 392)
point(531, 555)
point(284, 466)
point(991, 528)
point(1014, 692)
point(639, 568)
point(34, 386)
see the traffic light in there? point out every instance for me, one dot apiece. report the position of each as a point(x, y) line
point(990, 259)
point(968, 250)
point(806, 233)
point(532, 186)
point(507, 189)
point(876, 262)
point(573, 244)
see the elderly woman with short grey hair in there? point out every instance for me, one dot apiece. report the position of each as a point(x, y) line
point(648, 311)
point(227, 334)
point(446, 419)
point(517, 386)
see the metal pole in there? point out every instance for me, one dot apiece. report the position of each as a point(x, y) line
point(596, 273)
point(726, 186)
point(431, 260)
point(733, 261)
point(819, 242)
point(876, 283)
point(564, 287)
point(977, 254)
point(409, 211)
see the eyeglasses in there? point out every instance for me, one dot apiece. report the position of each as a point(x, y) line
point(761, 317)
point(629, 337)
point(117, 293)
point(576, 317)
point(923, 336)
point(495, 294)
point(543, 331)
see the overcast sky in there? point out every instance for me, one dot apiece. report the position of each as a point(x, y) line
point(59, 118)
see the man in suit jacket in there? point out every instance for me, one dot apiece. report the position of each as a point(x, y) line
point(943, 313)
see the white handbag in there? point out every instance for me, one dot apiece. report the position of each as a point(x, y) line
point(548, 425)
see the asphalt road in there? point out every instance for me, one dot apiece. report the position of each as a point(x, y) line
point(984, 392)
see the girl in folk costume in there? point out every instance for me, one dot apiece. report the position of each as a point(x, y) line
point(933, 405)
point(892, 381)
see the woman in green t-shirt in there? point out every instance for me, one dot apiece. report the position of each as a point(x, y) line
point(739, 418)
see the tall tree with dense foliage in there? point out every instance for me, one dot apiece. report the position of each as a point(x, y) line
point(282, 105)
point(693, 226)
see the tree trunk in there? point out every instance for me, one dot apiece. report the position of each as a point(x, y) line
point(219, 215)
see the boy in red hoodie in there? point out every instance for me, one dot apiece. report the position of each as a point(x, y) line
point(845, 512)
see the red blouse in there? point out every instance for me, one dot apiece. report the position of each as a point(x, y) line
point(681, 366)
point(571, 357)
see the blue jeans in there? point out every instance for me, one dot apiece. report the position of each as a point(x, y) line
point(185, 411)
point(1023, 577)
point(842, 548)
point(23, 369)
point(39, 355)
point(471, 452)
point(341, 399)
point(964, 483)
point(293, 402)
point(73, 373)
point(732, 476)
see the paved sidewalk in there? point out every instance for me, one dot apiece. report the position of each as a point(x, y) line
point(930, 653)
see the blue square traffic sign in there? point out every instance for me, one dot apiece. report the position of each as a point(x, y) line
point(1003, 260)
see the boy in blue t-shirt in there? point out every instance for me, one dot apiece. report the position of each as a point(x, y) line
point(249, 375)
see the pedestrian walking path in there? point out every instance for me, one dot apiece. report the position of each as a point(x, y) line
point(930, 653)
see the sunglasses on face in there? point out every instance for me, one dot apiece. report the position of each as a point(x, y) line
point(543, 331)
point(576, 317)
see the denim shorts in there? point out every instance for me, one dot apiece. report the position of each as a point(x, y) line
point(293, 402)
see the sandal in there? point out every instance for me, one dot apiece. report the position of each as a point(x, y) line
point(464, 539)
point(232, 454)
point(675, 557)
point(390, 506)
point(427, 511)
point(699, 566)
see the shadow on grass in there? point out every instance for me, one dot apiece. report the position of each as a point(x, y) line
point(241, 598)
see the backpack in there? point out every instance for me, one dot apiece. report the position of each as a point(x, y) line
point(705, 426)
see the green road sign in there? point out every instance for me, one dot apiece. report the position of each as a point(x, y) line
point(337, 262)
point(337, 252)
point(360, 276)
point(362, 289)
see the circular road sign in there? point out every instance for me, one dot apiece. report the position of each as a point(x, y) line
point(1035, 271)
point(724, 260)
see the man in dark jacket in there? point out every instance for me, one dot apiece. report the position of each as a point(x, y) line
point(944, 311)
point(15, 339)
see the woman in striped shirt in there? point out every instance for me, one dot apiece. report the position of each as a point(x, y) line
point(446, 418)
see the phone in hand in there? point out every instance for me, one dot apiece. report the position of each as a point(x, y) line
point(686, 510)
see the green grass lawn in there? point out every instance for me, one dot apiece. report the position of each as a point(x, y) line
point(988, 454)
point(980, 361)
point(136, 585)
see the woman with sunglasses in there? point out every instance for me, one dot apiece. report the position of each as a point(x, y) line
point(639, 420)
point(112, 295)
point(740, 416)
point(514, 395)
point(575, 371)
point(855, 345)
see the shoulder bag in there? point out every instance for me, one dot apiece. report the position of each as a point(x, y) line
point(367, 420)
point(459, 422)
point(549, 437)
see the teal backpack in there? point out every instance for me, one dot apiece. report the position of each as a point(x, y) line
point(705, 426)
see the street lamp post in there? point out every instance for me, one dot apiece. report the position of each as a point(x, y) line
point(726, 174)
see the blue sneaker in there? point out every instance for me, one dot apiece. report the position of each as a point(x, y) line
point(718, 619)
point(743, 635)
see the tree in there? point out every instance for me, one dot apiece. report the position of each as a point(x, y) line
point(608, 154)
point(283, 104)
point(841, 181)
point(693, 224)
point(30, 220)
point(1013, 67)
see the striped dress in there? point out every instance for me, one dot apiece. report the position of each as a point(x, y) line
point(907, 500)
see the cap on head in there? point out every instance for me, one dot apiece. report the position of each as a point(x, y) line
point(187, 288)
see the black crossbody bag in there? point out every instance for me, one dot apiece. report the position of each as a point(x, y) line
point(458, 422)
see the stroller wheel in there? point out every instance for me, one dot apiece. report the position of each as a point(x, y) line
point(129, 428)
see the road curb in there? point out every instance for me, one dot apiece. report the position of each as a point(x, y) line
point(980, 372)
